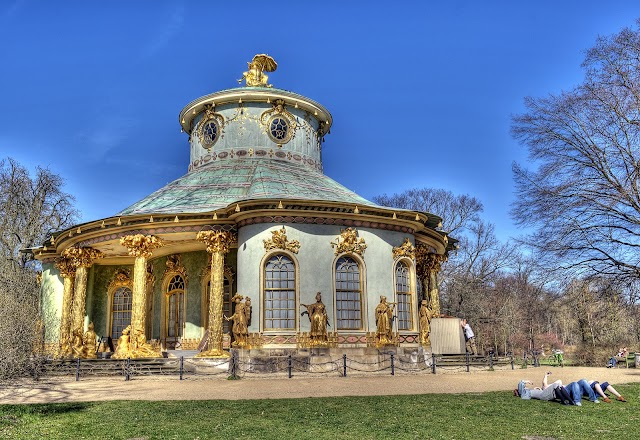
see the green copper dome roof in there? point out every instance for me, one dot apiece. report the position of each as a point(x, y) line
point(218, 185)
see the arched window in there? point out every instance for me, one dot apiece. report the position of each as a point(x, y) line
point(175, 307)
point(348, 294)
point(403, 296)
point(279, 293)
point(120, 311)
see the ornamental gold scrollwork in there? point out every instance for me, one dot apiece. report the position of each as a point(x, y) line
point(140, 245)
point(348, 241)
point(174, 266)
point(279, 240)
point(278, 123)
point(210, 128)
point(217, 241)
point(404, 250)
point(122, 278)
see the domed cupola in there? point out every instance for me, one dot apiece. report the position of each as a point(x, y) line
point(255, 121)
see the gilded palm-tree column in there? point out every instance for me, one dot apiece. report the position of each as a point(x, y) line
point(68, 272)
point(218, 244)
point(140, 246)
point(82, 259)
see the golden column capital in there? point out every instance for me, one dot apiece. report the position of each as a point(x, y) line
point(217, 241)
point(65, 267)
point(82, 256)
point(140, 245)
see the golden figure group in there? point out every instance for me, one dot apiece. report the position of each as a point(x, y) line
point(318, 318)
point(241, 318)
point(134, 345)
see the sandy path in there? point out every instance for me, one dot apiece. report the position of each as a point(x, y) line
point(170, 388)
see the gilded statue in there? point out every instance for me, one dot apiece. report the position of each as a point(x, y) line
point(123, 350)
point(241, 316)
point(141, 348)
point(318, 318)
point(384, 322)
point(77, 347)
point(425, 322)
point(89, 343)
point(255, 76)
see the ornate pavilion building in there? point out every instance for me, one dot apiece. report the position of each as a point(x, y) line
point(254, 214)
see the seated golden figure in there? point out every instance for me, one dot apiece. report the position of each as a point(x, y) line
point(89, 342)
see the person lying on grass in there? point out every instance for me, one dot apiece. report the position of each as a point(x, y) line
point(546, 392)
point(600, 388)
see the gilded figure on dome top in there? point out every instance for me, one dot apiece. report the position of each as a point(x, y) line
point(255, 76)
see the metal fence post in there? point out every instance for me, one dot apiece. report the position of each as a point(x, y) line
point(344, 365)
point(512, 366)
point(524, 357)
point(181, 366)
point(433, 363)
point(491, 361)
point(393, 369)
point(290, 366)
point(127, 367)
point(77, 369)
point(467, 356)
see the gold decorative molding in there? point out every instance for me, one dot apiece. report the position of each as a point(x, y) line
point(405, 250)
point(174, 266)
point(121, 278)
point(348, 241)
point(279, 241)
point(217, 241)
point(140, 245)
point(82, 256)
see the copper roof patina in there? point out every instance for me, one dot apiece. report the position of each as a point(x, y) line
point(218, 185)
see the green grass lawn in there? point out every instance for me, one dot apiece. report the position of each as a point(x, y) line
point(495, 415)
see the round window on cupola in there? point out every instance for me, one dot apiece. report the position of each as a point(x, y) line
point(210, 132)
point(279, 129)
point(210, 128)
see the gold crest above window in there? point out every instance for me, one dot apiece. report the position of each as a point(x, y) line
point(349, 242)
point(279, 240)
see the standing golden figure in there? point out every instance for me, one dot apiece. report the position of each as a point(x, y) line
point(425, 322)
point(241, 316)
point(384, 322)
point(318, 317)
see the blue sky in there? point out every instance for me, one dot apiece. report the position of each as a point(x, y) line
point(421, 92)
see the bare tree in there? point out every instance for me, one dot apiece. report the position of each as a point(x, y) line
point(30, 208)
point(582, 197)
point(458, 212)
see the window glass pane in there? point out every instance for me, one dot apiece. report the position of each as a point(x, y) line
point(121, 312)
point(279, 294)
point(348, 294)
point(403, 297)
